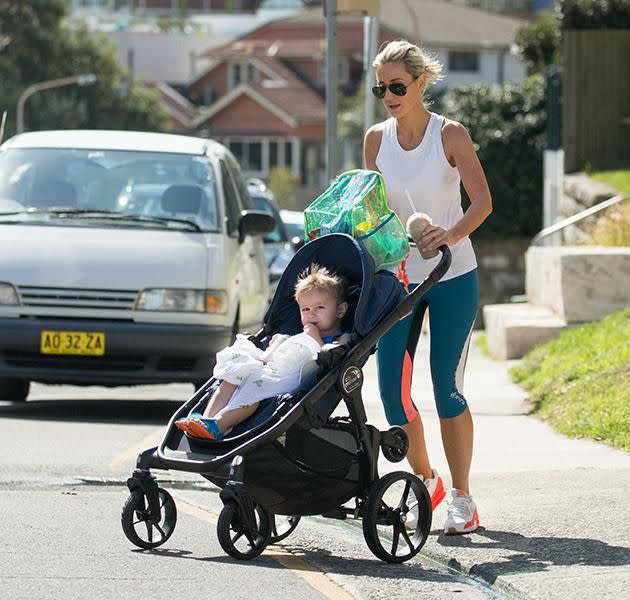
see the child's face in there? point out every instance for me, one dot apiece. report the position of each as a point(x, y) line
point(321, 310)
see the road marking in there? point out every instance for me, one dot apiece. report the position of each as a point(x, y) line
point(315, 577)
point(153, 439)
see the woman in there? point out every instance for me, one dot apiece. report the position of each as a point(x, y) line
point(423, 157)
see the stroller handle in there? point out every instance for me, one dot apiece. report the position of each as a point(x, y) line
point(364, 347)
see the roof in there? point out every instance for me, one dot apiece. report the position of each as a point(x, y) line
point(434, 23)
point(115, 140)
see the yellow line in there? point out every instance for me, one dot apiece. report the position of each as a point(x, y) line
point(316, 578)
point(152, 439)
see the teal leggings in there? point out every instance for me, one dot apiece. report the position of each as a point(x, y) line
point(452, 308)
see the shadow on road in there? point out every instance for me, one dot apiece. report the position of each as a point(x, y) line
point(146, 412)
point(305, 559)
point(536, 553)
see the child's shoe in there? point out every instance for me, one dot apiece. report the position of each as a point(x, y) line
point(462, 513)
point(437, 493)
point(184, 421)
point(204, 429)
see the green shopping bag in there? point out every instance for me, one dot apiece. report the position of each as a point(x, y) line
point(355, 204)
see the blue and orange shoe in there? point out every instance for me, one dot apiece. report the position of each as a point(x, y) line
point(183, 422)
point(204, 429)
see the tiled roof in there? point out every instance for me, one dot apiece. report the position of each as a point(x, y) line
point(432, 22)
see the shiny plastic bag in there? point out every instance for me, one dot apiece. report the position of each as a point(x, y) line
point(355, 204)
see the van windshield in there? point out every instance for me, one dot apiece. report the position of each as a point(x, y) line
point(59, 186)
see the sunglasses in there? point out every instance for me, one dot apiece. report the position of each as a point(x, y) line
point(398, 89)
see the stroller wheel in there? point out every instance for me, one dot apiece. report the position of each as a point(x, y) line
point(397, 451)
point(282, 527)
point(233, 533)
point(138, 525)
point(386, 511)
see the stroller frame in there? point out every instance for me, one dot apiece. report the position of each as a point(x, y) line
point(241, 515)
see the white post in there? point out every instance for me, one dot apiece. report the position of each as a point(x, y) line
point(553, 178)
point(370, 35)
point(295, 157)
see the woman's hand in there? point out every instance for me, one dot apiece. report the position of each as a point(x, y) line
point(433, 237)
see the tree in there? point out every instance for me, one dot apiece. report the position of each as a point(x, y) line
point(37, 47)
point(539, 42)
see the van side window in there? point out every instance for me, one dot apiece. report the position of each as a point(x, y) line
point(232, 200)
point(240, 182)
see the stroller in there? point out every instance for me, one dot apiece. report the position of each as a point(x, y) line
point(292, 457)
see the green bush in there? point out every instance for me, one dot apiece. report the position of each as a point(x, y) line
point(593, 14)
point(507, 125)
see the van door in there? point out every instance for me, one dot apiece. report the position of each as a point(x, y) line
point(247, 260)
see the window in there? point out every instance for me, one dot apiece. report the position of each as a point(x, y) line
point(241, 72)
point(232, 202)
point(248, 154)
point(209, 95)
point(459, 61)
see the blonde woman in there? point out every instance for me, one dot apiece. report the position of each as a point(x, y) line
point(423, 158)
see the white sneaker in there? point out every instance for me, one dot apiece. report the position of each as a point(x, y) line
point(437, 493)
point(462, 516)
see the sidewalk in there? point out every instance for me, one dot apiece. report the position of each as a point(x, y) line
point(555, 511)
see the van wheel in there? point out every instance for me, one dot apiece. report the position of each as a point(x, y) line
point(14, 390)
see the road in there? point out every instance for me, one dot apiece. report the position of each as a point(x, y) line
point(66, 454)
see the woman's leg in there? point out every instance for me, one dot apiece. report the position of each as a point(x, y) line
point(394, 359)
point(452, 311)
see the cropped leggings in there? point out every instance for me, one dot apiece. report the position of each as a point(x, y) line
point(452, 308)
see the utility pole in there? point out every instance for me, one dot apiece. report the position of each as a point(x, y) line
point(331, 91)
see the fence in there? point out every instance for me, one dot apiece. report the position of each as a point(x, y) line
point(596, 97)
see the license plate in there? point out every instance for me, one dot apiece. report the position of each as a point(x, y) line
point(85, 343)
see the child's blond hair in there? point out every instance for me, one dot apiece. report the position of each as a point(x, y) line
point(320, 278)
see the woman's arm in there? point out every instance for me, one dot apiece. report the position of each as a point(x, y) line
point(460, 152)
point(371, 145)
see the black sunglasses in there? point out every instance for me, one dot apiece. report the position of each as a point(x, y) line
point(397, 88)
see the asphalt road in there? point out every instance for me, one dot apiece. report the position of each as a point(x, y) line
point(66, 454)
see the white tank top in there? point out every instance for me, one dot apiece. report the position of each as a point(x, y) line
point(433, 185)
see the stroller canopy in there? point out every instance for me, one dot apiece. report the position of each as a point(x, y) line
point(371, 295)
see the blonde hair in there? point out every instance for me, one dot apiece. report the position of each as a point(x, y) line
point(320, 278)
point(416, 61)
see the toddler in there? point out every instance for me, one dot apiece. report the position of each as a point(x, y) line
point(250, 374)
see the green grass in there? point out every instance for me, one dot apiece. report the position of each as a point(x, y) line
point(620, 180)
point(580, 381)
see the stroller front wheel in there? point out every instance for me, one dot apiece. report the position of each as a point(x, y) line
point(146, 530)
point(392, 502)
point(240, 539)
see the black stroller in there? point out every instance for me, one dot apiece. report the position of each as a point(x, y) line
point(291, 457)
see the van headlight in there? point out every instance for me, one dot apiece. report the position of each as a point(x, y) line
point(177, 300)
point(8, 295)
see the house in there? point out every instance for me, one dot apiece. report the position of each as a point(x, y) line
point(171, 6)
point(263, 94)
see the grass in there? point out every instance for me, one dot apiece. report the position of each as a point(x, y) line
point(612, 228)
point(620, 180)
point(580, 381)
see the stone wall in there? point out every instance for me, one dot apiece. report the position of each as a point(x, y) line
point(581, 192)
point(501, 270)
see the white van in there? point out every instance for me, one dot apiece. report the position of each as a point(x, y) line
point(125, 258)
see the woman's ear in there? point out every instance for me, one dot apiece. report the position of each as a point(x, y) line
point(342, 309)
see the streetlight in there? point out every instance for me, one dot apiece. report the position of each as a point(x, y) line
point(84, 79)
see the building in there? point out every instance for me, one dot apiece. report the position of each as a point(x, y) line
point(264, 93)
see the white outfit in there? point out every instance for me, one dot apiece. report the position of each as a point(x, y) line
point(424, 174)
point(291, 365)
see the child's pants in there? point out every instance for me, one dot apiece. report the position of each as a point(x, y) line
point(290, 366)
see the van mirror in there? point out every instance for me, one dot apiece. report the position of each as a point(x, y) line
point(255, 222)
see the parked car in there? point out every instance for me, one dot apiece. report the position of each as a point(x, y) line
point(279, 246)
point(294, 224)
point(127, 258)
